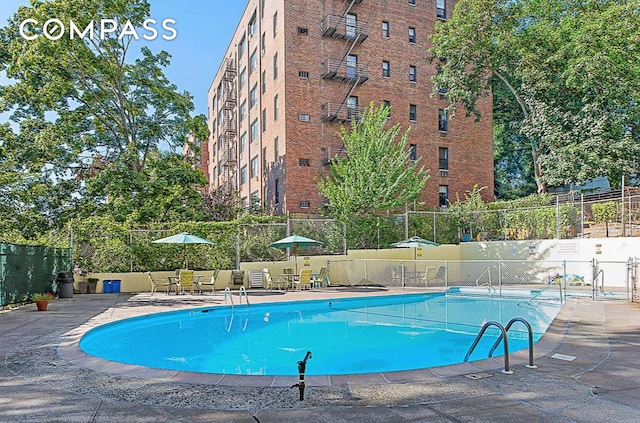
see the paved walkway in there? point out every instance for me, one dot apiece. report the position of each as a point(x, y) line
point(44, 377)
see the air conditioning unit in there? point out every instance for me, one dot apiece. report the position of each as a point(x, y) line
point(444, 172)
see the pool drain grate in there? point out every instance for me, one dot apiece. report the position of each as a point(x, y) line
point(476, 376)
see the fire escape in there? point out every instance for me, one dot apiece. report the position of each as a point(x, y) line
point(228, 131)
point(345, 68)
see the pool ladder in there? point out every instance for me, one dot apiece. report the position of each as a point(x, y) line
point(503, 337)
point(242, 291)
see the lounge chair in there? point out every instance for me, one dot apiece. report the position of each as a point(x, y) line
point(256, 279)
point(304, 280)
point(211, 282)
point(158, 284)
point(269, 282)
point(322, 280)
point(441, 274)
point(429, 275)
point(186, 281)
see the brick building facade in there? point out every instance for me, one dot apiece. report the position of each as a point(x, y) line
point(296, 70)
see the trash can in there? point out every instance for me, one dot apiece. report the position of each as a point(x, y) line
point(237, 277)
point(115, 285)
point(64, 280)
point(107, 286)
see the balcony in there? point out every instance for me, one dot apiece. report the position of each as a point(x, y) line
point(228, 157)
point(340, 112)
point(342, 28)
point(338, 70)
point(331, 154)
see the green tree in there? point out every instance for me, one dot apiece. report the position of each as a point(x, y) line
point(377, 174)
point(83, 107)
point(376, 177)
point(572, 69)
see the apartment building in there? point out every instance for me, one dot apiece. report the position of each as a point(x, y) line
point(297, 70)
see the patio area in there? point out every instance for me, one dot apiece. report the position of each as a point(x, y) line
point(46, 378)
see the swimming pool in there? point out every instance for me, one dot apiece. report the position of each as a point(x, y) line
point(346, 336)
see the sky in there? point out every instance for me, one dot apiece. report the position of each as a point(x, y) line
point(204, 30)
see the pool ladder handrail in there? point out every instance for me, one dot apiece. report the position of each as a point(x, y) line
point(246, 296)
point(227, 291)
point(551, 282)
point(531, 365)
point(507, 370)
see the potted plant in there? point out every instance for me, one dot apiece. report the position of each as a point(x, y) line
point(83, 285)
point(93, 283)
point(42, 300)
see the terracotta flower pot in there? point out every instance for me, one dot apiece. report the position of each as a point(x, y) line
point(42, 304)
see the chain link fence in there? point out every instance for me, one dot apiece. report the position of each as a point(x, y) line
point(527, 278)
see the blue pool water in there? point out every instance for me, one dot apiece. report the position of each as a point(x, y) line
point(346, 336)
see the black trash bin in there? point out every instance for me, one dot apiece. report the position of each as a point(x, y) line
point(65, 284)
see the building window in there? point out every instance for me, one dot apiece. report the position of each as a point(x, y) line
point(305, 204)
point(303, 74)
point(254, 130)
point(352, 107)
point(412, 2)
point(443, 191)
point(303, 117)
point(253, 61)
point(243, 175)
point(442, 93)
point(387, 104)
point(443, 120)
point(275, 65)
point(243, 110)
point(413, 112)
point(412, 35)
point(264, 81)
point(352, 66)
point(255, 200)
point(441, 9)
point(276, 190)
point(254, 167)
point(275, 24)
point(305, 162)
point(386, 69)
point(263, 47)
point(253, 25)
point(276, 152)
point(412, 73)
point(254, 95)
point(385, 29)
point(245, 204)
point(264, 120)
point(243, 141)
point(443, 161)
point(303, 31)
point(243, 78)
point(350, 25)
point(275, 107)
point(241, 46)
point(264, 159)
point(413, 155)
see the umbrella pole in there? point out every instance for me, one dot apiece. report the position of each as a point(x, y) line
point(186, 263)
point(295, 256)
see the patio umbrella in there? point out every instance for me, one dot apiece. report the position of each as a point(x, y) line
point(295, 241)
point(414, 242)
point(183, 238)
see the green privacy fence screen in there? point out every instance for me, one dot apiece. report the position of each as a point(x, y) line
point(26, 269)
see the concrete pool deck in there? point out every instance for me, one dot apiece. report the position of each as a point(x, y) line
point(46, 378)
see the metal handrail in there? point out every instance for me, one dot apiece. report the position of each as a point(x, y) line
point(507, 370)
point(553, 282)
point(228, 291)
point(506, 330)
point(246, 296)
point(488, 271)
